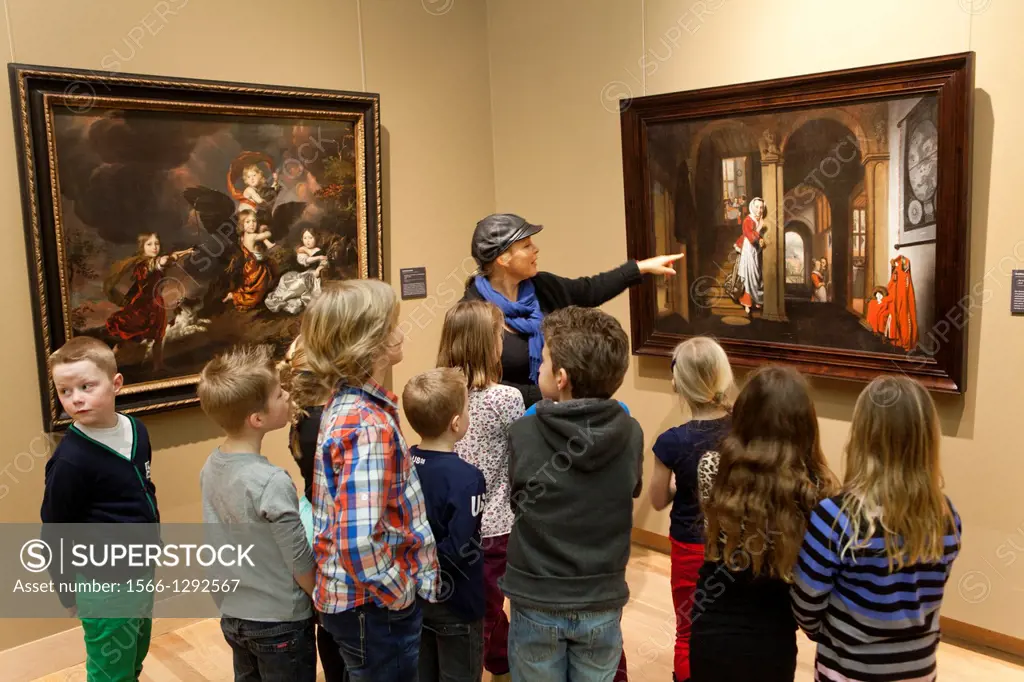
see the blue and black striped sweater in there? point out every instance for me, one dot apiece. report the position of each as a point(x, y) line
point(872, 624)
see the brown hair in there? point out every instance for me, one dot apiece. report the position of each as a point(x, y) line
point(305, 389)
point(771, 475)
point(346, 329)
point(236, 384)
point(592, 348)
point(471, 340)
point(893, 478)
point(701, 374)
point(85, 348)
point(432, 398)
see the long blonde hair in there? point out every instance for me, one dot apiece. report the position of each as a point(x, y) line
point(346, 329)
point(771, 475)
point(893, 478)
point(701, 375)
point(471, 340)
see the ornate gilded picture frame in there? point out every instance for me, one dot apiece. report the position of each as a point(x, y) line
point(176, 218)
point(824, 219)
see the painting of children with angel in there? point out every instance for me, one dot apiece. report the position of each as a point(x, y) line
point(178, 232)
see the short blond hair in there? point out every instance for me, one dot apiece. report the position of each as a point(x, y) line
point(236, 384)
point(432, 398)
point(346, 329)
point(85, 348)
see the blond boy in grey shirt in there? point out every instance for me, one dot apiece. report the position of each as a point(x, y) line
point(266, 615)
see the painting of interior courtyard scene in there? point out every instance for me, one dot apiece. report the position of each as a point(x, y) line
point(813, 227)
point(184, 234)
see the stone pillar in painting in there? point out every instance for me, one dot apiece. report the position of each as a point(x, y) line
point(774, 254)
point(876, 250)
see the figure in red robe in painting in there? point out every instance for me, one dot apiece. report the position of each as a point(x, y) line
point(879, 315)
point(256, 275)
point(904, 304)
point(143, 315)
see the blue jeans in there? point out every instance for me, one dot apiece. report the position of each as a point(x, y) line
point(271, 652)
point(580, 646)
point(378, 645)
point(451, 649)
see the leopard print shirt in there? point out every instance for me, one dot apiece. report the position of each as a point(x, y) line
point(707, 469)
point(485, 445)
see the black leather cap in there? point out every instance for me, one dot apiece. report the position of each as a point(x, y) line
point(495, 233)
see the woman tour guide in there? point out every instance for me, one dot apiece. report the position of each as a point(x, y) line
point(507, 276)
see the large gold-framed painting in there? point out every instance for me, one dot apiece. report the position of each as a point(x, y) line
point(175, 218)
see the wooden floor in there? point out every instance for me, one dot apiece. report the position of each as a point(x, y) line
point(198, 653)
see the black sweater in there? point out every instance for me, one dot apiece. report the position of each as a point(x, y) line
point(554, 292)
point(574, 470)
point(88, 483)
point(308, 432)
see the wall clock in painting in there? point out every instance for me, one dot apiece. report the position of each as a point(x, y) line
point(176, 218)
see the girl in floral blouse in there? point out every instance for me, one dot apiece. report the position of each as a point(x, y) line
point(472, 341)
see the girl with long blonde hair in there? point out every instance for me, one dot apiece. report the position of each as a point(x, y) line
point(876, 557)
point(471, 340)
point(757, 493)
point(703, 380)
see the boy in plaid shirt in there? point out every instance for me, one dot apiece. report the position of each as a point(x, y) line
point(372, 540)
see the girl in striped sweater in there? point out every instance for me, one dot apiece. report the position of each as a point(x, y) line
point(876, 557)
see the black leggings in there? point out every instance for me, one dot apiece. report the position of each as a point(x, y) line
point(735, 659)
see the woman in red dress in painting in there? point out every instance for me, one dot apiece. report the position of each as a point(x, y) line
point(143, 315)
point(749, 246)
point(257, 277)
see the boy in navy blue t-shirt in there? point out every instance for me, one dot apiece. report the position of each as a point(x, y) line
point(436, 404)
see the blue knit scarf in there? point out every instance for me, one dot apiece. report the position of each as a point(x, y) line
point(523, 315)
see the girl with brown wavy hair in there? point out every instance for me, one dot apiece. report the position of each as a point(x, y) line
point(757, 493)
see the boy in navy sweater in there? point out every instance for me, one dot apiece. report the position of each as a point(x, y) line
point(436, 404)
point(100, 473)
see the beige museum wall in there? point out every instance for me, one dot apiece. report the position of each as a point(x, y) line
point(557, 69)
point(431, 71)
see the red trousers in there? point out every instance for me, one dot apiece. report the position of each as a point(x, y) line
point(495, 621)
point(686, 562)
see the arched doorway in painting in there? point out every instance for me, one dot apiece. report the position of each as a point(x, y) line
point(824, 154)
point(799, 262)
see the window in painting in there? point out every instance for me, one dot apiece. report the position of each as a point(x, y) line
point(734, 187)
point(795, 258)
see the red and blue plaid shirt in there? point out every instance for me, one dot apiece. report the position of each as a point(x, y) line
point(372, 538)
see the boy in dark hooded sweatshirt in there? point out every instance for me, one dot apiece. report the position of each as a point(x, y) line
point(575, 469)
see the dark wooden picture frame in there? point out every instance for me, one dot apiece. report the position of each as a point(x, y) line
point(252, 195)
point(765, 122)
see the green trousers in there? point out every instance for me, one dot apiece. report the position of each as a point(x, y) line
point(117, 631)
point(115, 648)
